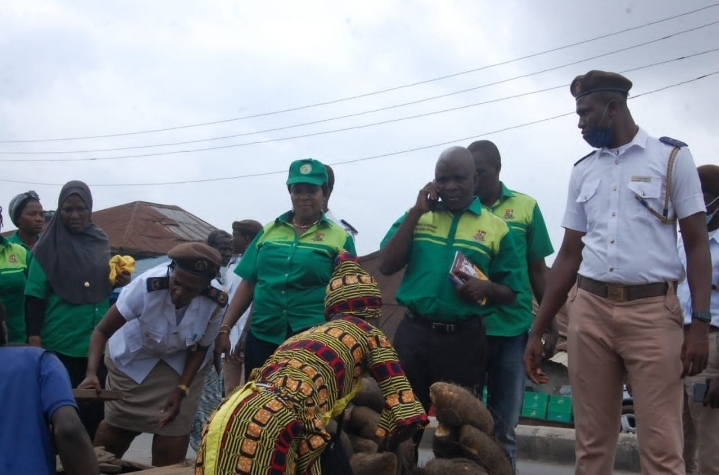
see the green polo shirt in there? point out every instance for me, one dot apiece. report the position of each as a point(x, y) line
point(67, 327)
point(16, 239)
point(14, 262)
point(291, 274)
point(526, 223)
point(481, 236)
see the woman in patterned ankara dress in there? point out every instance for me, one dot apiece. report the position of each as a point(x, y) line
point(276, 423)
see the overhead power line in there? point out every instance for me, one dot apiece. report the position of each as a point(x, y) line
point(368, 94)
point(373, 157)
point(326, 132)
point(346, 116)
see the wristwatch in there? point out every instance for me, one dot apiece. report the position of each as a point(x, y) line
point(702, 315)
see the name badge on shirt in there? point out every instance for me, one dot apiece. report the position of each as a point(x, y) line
point(642, 179)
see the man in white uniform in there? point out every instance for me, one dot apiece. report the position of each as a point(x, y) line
point(701, 423)
point(619, 266)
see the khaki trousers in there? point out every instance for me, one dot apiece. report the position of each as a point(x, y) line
point(701, 424)
point(233, 374)
point(605, 341)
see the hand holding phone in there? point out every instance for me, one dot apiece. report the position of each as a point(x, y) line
point(428, 198)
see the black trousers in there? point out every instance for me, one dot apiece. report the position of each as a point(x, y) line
point(428, 356)
point(91, 413)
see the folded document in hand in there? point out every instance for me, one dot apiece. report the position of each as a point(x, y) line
point(462, 263)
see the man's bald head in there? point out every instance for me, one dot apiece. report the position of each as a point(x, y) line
point(455, 178)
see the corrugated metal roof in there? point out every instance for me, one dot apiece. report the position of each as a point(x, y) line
point(143, 229)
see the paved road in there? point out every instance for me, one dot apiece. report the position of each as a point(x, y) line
point(140, 452)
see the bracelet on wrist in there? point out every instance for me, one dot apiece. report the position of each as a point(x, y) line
point(226, 326)
point(184, 389)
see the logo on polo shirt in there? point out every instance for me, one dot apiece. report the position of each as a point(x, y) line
point(12, 259)
point(508, 213)
point(319, 237)
point(479, 237)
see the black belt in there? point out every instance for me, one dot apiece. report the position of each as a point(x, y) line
point(712, 328)
point(620, 292)
point(445, 327)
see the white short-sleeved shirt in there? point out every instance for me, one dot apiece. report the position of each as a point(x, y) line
point(683, 290)
point(343, 224)
point(232, 282)
point(152, 334)
point(624, 242)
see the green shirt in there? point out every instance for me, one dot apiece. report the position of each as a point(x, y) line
point(67, 327)
point(291, 274)
point(481, 236)
point(526, 223)
point(14, 262)
point(14, 237)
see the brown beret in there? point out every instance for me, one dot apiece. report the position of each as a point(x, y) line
point(596, 81)
point(196, 258)
point(247, 226)
point(709, 178)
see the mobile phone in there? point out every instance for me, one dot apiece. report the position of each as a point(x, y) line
point(700, 390)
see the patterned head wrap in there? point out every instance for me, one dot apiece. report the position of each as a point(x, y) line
point(18, 204)
point(352, 291)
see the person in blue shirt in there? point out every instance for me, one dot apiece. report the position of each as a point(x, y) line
point(39, 414)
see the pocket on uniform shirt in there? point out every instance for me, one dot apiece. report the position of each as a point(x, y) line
point(152, 339)
point(649, 188)
point(588, 190)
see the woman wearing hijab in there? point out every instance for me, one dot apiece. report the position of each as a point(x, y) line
point(27, 215)
point(285, 270)
point(14, 261)
point(68, 287)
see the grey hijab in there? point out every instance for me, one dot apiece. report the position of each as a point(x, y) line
point(77, 265)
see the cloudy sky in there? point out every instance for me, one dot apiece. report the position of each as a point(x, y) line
point(118, 70)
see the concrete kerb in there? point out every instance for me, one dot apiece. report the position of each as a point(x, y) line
point(549, 445)
point(554, 445)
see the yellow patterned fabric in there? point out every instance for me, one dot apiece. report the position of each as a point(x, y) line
point(275, 425)
point(351, 290)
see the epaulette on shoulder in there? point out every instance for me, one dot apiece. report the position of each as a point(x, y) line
point(584, 157)
point(158, 283)
point(672, 142)
point(215, 295)
point(349, 228)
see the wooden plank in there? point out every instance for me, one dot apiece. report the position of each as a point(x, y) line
point(91, 395)
point(185, 468)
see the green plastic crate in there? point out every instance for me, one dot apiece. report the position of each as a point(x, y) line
point(530, 404)
point(560, 404)
point(559, 416)
point(535, 413)
point(536, 397)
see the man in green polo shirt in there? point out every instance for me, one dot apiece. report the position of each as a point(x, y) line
point(442, 336)
point(507, 328)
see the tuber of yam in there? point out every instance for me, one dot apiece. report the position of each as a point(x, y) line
point(485, 450)
point(374, 464)
point(445, 443)
point(362, 445)
point(363, 422)
point(455, 405)
point(369, 395)
point(455, 466)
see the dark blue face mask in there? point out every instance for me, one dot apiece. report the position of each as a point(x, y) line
point(598, 137)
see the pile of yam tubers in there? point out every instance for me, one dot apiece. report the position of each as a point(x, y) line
point(463, 442)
